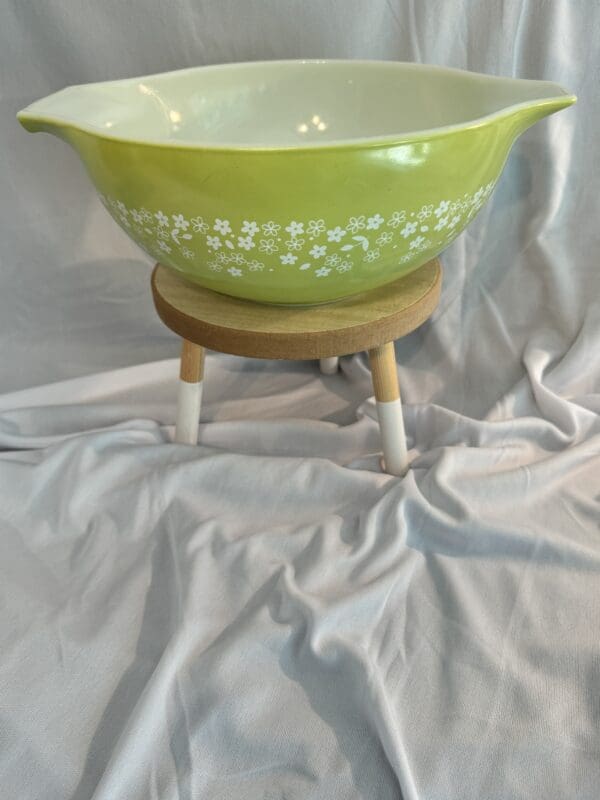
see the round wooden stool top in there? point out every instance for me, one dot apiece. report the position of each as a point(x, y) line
point(244, 328)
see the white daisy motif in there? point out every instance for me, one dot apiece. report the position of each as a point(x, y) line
point(172, 233)
point(397, 218)
point(356, 224)
point(249, 227)
point(442, 208)
point(268, 246)
point(199, 225)
point(295, 228)
point(294, 244)
point(271, 228)
point(246, 242)
point(180, 222)
point(385, 237)
point(318, 251)
point(335, 234)
point(374, 222)
point(417, 243)
point(222, 226)
point(408, 229)
point(315, 227)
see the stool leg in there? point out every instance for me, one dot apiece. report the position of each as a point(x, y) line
point(190, 393)
point(389, 409)
point(329, 366)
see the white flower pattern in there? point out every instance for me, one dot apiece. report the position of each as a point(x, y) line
point(384, 238)
point(315, 227)
point(335, 234)
point(396, 219)
point(246, 242)
point(375, 222)
point(408, 229)
point(222, 226)
point(442, 208)
point(249, 227)
point(199, 226)
point(294, 244)
point(295, 228)
point(318, 251)
point(268, 246)
point(317, 247)
point(356, 224)
point(271, 228)
point(180, 222)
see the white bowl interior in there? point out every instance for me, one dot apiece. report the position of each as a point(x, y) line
point(290, 103)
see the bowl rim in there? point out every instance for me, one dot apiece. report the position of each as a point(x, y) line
point(561, 99)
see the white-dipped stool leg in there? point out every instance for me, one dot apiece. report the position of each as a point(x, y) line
point(189, 400)
point(393, 438)
point(329, 366)
point(389, 408)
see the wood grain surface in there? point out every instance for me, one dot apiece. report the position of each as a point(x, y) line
point(241, 327)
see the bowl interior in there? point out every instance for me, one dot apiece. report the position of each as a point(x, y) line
point(289, 103)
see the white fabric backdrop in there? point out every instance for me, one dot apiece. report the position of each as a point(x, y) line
point(267, 615)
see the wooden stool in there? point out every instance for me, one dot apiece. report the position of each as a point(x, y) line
point(370, 321)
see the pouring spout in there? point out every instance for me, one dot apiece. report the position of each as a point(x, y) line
point(52, 114)
point(554, 98)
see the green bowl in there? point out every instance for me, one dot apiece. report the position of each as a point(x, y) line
point(295, 181)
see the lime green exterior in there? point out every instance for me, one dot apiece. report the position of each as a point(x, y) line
point(301, 225)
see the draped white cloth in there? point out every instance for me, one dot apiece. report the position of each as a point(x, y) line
point(267, 615)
